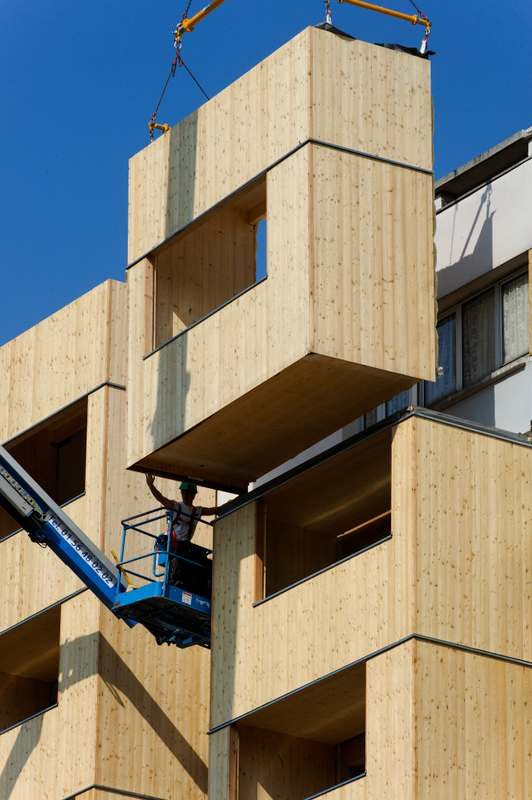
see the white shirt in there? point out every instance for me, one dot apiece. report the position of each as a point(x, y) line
point(185, 520)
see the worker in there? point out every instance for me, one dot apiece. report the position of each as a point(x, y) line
point(184, 520)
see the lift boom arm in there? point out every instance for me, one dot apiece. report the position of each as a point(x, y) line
point(47, 524)
point(172, 614)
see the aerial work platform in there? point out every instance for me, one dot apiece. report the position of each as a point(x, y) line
point(175, 611)
point(238, 364)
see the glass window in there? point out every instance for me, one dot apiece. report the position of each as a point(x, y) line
point(515, 318)
point(398, 403)
point(478, 338)
point(261, 266)
point(446, 383)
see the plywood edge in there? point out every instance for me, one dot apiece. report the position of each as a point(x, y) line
point(200, 451)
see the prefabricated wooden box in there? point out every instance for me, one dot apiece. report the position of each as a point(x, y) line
point(330, 139)
point(453, 567)
point(440, 723)
point(128, 715)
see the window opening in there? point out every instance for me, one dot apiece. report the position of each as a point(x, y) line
point(332, 511)
point(478, 338)
point(398, 403)
point(54, 454)
point(210, 263)
point(446, 383)
point(515, 318)
point(29, 659)
point(261, 233)
point(307, 743)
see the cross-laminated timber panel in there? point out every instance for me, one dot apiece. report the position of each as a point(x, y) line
point(67, 355)
point(456, 567)
point(344, 320)
point(319, 86)
point(143, 710)
point(440, 723)
point(130, 716)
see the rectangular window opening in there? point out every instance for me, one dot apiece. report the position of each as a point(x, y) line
point(323, 515)
point(515, 318)
point(54, 454)
point(29, 659)
point(210, 263)
point(306, 744)
point(479, 331)
point(446, 382)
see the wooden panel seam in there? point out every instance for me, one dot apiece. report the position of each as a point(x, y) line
point(412, 637)
point(152, 252)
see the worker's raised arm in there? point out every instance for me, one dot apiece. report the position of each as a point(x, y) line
point(164, 501)
point(212, 510)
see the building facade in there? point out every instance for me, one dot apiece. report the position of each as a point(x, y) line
point(371, 587)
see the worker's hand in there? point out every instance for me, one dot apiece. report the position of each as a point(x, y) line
point(150, 480)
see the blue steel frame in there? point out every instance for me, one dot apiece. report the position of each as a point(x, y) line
point(140, 519)
point(127, 603)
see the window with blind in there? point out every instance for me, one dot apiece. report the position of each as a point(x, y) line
point(479, 330)
point(515, 318)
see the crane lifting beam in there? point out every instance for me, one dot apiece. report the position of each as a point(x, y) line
point(415, 19)
point(172, 614)
point(188, 24)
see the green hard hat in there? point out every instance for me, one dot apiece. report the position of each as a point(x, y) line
point(188, 486)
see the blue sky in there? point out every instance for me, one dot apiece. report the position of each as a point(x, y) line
point(81, 80)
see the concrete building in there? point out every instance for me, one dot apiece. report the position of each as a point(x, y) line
point(371, 595)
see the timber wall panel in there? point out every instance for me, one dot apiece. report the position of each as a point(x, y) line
point(349, 285)
point(273, 765)
point(372, 99)
point(257, 119)
point(54, 754)
point(338, 318)
point(152, 714)
point(242, 344)
point(474, 539)
point(456, 568)
point(34, 577)
point(202, 269)
point(373, 271)
point(318, 85)
point(157, 697)
point(310, 624)
point(220, 765)
point(64, 357)
point(390, 736)
point(473, 726)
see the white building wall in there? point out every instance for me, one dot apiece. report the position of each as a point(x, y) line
point(485, 229)
point(506, 405)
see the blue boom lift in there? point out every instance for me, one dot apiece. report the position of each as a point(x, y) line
point(173, 600)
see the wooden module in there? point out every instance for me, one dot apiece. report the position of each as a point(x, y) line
point(455, 567)
point(439, 723)
point(63, 358)
point(130, 716)
point(344, 321)
point(317, 86)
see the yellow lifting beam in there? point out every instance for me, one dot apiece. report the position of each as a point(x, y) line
point(188, 24)
point(415, 19)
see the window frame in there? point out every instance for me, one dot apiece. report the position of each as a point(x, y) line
point(457, 310)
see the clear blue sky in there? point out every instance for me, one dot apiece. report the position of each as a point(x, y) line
point(80, 80)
